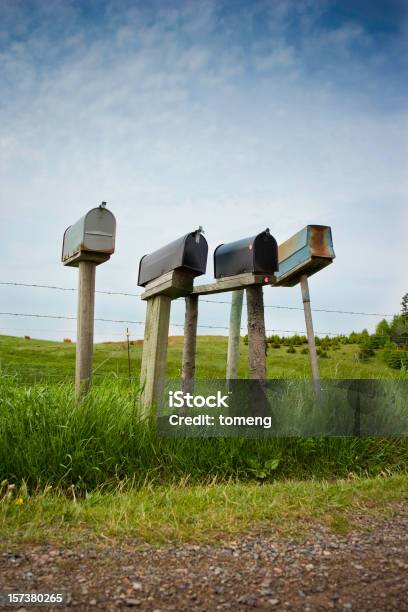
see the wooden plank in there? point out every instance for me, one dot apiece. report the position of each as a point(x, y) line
point(234, 334)
point(233, 283)
point(154, 357)
point(173, 284)
point(256, 333)
point(189, 348)
point(304, 285)
point(85, 327)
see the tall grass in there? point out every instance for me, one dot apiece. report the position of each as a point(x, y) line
point(48, 438)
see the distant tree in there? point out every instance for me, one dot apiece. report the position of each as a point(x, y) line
point(383, 328)
point(399, 330)
point(404, 306)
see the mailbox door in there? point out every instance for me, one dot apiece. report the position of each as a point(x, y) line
point(73, 237)
point(321, 241)
point(195, 253)
point(99, 231)
point(265, 250)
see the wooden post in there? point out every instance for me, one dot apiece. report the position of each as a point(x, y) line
point(256, 332)
point(85, 327)
point(234, 334)
point(153, 368)
point(190, 338)
point(128, 353)
point(257, 351)
point(304, 285)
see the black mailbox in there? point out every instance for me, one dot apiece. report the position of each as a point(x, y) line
point(188, 253)
point(258, 254)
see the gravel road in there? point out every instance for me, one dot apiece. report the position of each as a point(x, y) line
point(367, 569)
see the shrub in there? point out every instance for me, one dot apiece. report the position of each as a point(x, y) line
point(365, 352)
point(399, 331)
point(304, 351)
point(291, 349)
point(377, 341)
point(396, 359)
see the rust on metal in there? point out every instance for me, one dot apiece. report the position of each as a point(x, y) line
point(306, 252)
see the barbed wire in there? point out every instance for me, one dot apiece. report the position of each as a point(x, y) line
point(25, 330)
point(276, 306)
point(72, 318)
point(67, 289)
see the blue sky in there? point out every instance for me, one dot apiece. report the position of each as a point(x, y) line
point(232, 115)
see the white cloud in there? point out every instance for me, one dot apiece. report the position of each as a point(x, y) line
point(173, 127)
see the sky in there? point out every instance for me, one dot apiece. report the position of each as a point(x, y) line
point(234, 115)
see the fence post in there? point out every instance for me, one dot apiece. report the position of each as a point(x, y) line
point(304, 285)
point(153, 368)
point(234, 334)
point(85, 327)
point(190, 340)
point(256, 332)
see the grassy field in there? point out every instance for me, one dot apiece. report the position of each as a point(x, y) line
point(44, 360)
point(70, 469)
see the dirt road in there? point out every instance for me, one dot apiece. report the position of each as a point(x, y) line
point(367, 569)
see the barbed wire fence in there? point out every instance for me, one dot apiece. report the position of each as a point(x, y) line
point(126, 322)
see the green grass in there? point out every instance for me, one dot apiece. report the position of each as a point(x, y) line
point(203, 513)
point(44, 360)
point(70, 470)
point(48, 438)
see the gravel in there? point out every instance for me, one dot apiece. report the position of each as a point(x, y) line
point(366, 569)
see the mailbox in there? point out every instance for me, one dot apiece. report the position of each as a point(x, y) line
point(306, 252)
point(187, 254)
point(92, 238)
point(257, 254)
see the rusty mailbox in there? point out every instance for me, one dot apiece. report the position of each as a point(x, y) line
point(257, 254)
point(305, 253)
point(187, 254)
point(92, 238)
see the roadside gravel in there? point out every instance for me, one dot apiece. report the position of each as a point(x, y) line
point(366, 569)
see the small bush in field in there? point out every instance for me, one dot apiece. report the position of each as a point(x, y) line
point(365, 353)
point(291, 349)
point(304, 351)
point(396, 358)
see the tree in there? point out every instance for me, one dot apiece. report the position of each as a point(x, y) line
point(404, 306)
point(383, 328)
point(399, 330)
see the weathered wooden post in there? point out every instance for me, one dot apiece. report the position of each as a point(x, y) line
point(86, 244)
point(304, 285)
point(154, 357)
point(256, 333)
point(166, 274)
point(234, 334)
point(85, 326)
point(190, 341)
